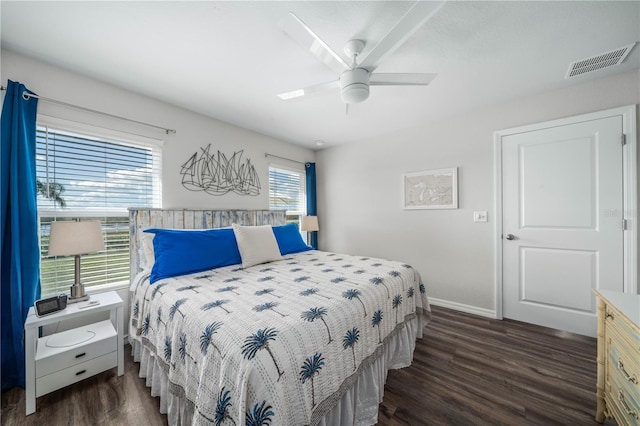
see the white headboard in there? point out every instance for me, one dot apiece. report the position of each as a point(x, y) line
point(141, 219)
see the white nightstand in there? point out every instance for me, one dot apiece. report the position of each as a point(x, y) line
point(60, 359)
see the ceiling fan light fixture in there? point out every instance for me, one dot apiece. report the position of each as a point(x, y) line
point(354, 85)
point(355, 93)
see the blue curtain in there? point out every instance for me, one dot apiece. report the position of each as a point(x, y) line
point(312, 208)
point(18, 228)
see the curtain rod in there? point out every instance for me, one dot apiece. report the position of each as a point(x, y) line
point(26, 96)
point(266, 154)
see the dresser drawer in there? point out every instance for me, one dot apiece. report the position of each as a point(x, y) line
point(74, 347)
point(618, 387)
point(623, 327)
point(81, 371)
point(623, 378)
point(623, 363)
point(624, 405)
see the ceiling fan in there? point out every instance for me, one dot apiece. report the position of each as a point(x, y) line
point(355, 78)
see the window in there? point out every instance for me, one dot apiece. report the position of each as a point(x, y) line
point(82, 176)
point(287, 192)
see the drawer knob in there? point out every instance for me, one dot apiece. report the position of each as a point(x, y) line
point(609, 315)
point(632, 413)
point(81, 372)
point(633, 379)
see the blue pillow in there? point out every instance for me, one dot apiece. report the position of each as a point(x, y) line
point(289, 239)
point(184, 252)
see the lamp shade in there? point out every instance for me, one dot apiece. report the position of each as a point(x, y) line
point(309, 223)
point(70, 238)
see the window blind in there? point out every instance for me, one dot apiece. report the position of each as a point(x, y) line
point(287, 190)
point(87, 177)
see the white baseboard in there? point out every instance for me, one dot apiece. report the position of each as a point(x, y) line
point(488, 313)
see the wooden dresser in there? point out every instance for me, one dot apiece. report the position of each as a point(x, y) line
point(618, 357)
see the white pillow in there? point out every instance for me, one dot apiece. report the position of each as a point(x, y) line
point(257, 244)
point(146, 240)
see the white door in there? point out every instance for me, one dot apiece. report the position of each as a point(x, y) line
point(562, 227)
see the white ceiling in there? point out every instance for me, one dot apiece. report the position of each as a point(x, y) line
point(228, 60)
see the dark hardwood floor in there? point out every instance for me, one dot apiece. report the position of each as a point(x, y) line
point(467, 370)
point(470, 370)
point(104, 399)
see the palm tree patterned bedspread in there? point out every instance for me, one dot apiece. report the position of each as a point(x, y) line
point(276, 343)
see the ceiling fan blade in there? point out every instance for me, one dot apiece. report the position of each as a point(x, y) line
point(309, 91)
point(300, 32)
point(401, 79)
point(415, 17)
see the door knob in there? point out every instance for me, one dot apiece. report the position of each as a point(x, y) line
point(510, 237)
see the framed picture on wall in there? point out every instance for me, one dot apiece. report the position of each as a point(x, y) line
point(432, 189)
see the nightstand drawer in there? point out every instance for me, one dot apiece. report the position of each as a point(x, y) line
point(74, 347)
point(81, 371)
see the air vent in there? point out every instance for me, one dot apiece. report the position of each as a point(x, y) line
point(598, 62)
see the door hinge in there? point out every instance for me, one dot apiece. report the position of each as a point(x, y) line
point(624, 224)
point(623, 139)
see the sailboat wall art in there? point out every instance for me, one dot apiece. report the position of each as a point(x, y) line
point(217, 174)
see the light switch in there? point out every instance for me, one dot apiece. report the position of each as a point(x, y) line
point(480, 216)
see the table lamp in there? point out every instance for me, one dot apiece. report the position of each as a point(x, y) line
point(75, 238)
point(309, 224)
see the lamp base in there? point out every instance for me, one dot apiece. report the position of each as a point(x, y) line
point(77, 299)
point(77, 293)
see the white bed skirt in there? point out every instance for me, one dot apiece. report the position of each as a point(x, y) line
point(357, 406)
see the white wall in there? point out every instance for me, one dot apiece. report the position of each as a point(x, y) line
point(360, 184)
point(193, 130)
point(454, 255)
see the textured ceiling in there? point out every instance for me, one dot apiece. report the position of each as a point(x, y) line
point(228, 60)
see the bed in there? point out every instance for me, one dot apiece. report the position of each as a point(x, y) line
point(304, 339)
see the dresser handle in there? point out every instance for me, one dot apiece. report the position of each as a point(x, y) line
point(630, 412)
point(633, 379)
point(81, 355)
point(81, 372)
point(609, 315)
